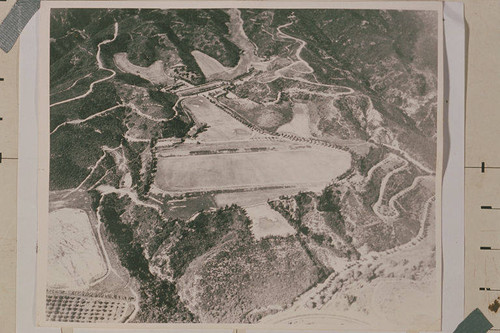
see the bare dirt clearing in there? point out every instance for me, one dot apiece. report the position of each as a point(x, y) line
point(268, 222)
point(75, 259)
point(222, 127)
point(154, 73)
point(208, 65)
point(300, 124)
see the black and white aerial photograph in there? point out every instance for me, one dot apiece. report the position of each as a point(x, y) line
point(262, 167)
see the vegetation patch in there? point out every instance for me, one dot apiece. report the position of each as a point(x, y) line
point(159, 301)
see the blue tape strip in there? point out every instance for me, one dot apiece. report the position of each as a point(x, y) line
point(475, 322)
point(15, 21)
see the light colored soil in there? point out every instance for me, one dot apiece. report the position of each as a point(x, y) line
point(268, 222)
point(154, 73)
point(222, 127)
point(407, 281)
point(300, 122)
point(393, 289)
point(391, 295)
point(74, 259)
point(249, 170)
point(208, 65)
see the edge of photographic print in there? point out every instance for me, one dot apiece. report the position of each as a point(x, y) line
point(44, 144)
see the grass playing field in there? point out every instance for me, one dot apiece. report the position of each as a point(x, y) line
point(250, 170)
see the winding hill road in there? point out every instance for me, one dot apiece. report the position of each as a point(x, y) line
point(79, 121)
point(100, 65)
point(299, 49)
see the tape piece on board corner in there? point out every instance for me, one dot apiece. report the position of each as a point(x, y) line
point(15, 21)
point(475, 322)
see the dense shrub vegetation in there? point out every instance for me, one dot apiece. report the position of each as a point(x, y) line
point(159, 300)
